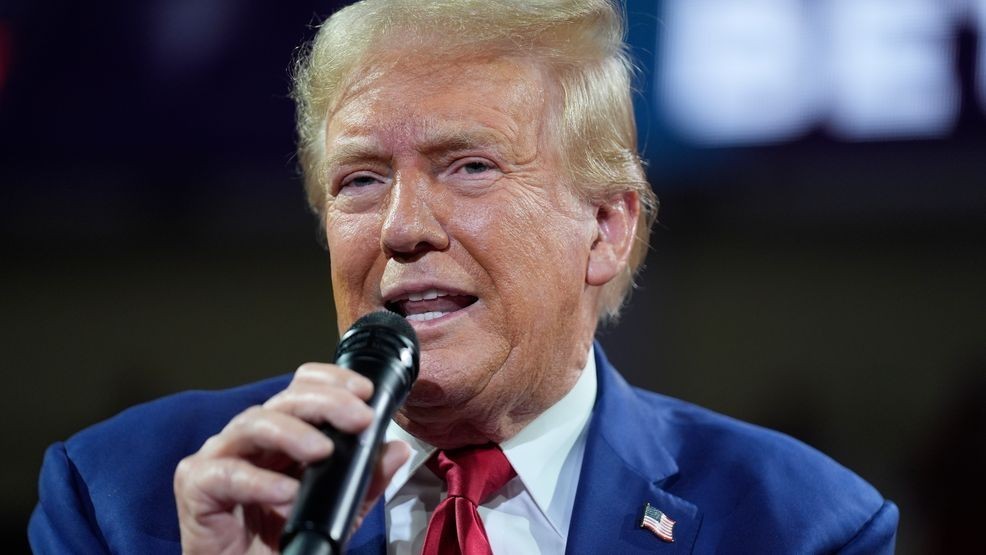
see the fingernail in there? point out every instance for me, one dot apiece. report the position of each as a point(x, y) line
point(359, 414)
point(316, 442)
point(286, 487)
point(359, 384)
point(400, 451)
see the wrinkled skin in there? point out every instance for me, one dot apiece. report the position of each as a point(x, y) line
point(442, 176)
point(455, 186)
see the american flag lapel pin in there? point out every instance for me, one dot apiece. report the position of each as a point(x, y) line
point(658, 522)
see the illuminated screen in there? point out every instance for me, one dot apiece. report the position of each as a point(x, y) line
point(761, 71)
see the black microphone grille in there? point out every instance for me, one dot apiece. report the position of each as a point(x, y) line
point(387, 319)
point(382, 330)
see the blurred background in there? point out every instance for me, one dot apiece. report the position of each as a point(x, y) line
point(818, 267)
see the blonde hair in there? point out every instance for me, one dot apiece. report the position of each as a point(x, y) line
point(580, 42)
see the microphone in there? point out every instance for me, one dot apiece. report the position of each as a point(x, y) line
point(383, 347)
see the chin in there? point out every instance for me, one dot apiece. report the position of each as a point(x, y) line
point(449, 378)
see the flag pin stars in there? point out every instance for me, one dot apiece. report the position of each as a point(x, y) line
point(658, 522)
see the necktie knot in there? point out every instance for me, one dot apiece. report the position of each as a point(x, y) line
point(474, 472)
point(472, 475)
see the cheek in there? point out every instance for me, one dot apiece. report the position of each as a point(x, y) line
point(527, 246)
point(501, 234)
point(548, 234)
point(353, 242)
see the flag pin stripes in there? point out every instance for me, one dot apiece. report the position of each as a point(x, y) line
point(658, 523)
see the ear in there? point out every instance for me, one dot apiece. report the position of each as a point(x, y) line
point(616, 227)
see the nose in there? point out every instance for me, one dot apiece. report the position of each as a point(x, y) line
point(411, 227)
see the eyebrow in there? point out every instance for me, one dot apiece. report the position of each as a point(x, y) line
point(351, 150)
point(348, 150)
point(454, 139)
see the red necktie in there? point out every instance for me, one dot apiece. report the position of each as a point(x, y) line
point(472, 475)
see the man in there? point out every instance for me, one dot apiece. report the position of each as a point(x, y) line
point(474, 166)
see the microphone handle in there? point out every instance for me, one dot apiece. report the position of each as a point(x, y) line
point(333, 489)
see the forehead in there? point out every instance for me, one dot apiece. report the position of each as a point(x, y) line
point(414, 96)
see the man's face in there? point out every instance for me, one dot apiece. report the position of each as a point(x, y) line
point(449, 205)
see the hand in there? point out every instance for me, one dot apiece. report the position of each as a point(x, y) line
point(236, 492)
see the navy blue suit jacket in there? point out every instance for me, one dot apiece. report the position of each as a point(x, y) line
point(730, 487)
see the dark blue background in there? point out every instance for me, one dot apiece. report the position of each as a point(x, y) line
point(155, 238)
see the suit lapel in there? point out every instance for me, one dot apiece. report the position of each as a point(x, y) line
point(371, 537)
point(625, 466)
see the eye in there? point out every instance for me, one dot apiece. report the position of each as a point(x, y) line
point(358, 180)
point(475, 167)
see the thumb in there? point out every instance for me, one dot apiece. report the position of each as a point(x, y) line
point(393, 455)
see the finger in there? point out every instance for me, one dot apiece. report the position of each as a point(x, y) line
point(323, 404)
point(331, 374)
point(258, 429)
point(208, 486)
point(283, 510)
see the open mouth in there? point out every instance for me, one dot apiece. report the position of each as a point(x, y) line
point(429, 305)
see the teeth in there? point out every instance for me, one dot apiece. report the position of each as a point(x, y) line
point(425, 316)
point(426, 295)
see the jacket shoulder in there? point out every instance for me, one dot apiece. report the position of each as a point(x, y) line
point(125, 465)
point(764, 486)
point(175, 423)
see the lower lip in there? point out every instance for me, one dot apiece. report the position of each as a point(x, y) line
point(431, 326)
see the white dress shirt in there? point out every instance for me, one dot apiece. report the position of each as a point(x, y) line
point(531, 513)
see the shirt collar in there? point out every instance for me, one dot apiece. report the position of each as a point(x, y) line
point(538, 452)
